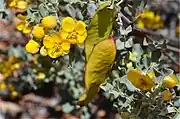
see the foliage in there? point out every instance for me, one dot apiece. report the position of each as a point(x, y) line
point(144, 81)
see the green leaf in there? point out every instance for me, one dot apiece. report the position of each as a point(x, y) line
point(43, 10)
point(106, 86)
point(100, 27)
point(67, 107)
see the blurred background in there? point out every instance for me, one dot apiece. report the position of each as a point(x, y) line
point(37, 87)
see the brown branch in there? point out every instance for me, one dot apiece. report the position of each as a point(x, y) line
point(166, 54)
point(172, 40)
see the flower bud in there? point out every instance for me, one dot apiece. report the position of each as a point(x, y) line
point(49, 22)
point(169, 82)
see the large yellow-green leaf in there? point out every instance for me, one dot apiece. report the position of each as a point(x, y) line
point(97, 68)
point(100, 27)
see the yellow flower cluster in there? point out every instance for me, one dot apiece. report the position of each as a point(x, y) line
point(140, 80)
point(20, 4)
point(148, 19)
point(22, 25)
point(11, 89)
point(7, 67)
point(57, 43)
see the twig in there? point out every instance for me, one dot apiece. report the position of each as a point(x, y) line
point(172, 40)
point(175, 62)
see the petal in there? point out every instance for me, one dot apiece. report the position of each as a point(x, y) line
point(140, 24)
point(65, 46)
point(43, 51)
point(72, 41)
point(48, 42)
point(66, 52)
point(64, 35)
point(49, 22)
point(82, 38)
point(80, 27)
point(20, 26)
point(54, 53)
point(12, 3)
point(22, 5)
point(135, 77)
point(68, 24)
point(151, 74)
point(32, 47)
point(27, 29)
point(147, 83)
point(38, 32)
point(56, 37)
point(21, 17)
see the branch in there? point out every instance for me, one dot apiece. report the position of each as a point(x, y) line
point(175, 62)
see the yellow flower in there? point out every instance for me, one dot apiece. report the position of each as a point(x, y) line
point(166, 95)
point(12, 3)
point(169, 82)
point(151, 74)
point(7, 67)
point(32, 47)
point(3, 86)
point(133, 56)
point(49, 22)
point(38, 32)
point(72, 31)
point(22, 25)
point(40, 76)
point(55, 45)
point(140, 23)
point(20, 4)
point(140, 80)
point(148, 19)
point(14, 94)
point(43, 51)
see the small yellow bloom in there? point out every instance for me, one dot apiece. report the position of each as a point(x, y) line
point(17, 66)
point(12, 3)
point(166, 95)
point(53, 44)
point(22, 25)
point(151, 74)
point(14, 94)
point(38, 32)
point(133, 56)
point(49, 22)
point(43, 51)
point(32, 47)
point(169, 82)
point(148, 19)
point(40, 76)
point(3, 86)
point(22, 4)
point(140, 80)
point(72, 31)
point(140, 23)
point(7, 67)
